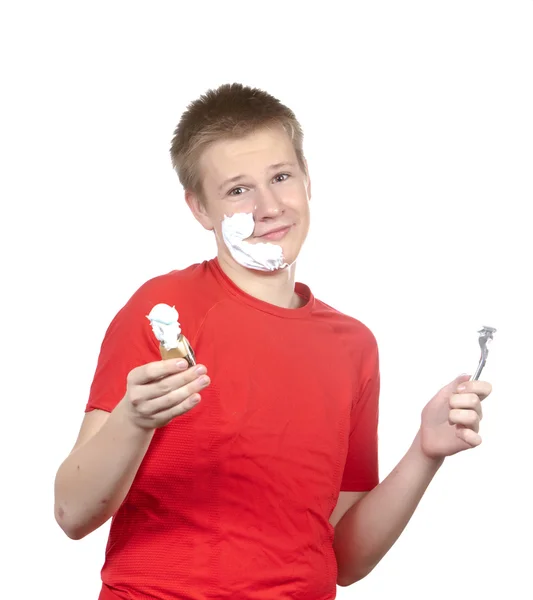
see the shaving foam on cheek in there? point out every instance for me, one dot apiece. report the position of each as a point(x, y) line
point(261, 256)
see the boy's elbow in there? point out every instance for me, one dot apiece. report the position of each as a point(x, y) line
point(73, 534)
point(69, 529)
point(345, 581)
point(345, 578)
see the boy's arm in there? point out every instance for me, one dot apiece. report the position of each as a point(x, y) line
point(95, 478)
point(371, 526)
point(367, 531)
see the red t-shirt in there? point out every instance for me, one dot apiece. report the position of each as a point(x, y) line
point(233, 499)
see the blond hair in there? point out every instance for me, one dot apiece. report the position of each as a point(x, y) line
point(228, 112)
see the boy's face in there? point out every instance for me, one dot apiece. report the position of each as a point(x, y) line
point(257, 174)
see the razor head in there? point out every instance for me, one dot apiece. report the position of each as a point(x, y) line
point(487, 330)
point(486, 335)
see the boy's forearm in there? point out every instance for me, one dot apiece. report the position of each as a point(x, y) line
point(95, 478)
point(370, 528)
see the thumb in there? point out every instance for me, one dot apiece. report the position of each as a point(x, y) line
point(451, 388)
point(461, 379)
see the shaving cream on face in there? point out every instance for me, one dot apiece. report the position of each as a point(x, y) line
point(261, 256)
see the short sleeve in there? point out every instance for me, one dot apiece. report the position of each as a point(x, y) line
point(361, 471)
point(128, 343)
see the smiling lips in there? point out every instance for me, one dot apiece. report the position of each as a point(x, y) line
point(274, 234)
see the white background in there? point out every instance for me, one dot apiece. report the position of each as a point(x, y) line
point(419, 135)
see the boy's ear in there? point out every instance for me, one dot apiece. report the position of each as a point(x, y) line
point(198, 209)
point(308, 179)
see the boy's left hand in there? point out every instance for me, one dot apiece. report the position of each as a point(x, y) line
point(450, 420)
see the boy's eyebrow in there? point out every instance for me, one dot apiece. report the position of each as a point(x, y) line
point(281, 164)
point(270, 168)
point(230, 180)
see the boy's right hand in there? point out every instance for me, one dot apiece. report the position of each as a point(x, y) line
point(159, 391)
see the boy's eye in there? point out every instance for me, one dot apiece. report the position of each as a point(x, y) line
point(236, 191)
point(239, 191)
point(281, 177)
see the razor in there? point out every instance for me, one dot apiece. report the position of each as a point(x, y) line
point(485, 340)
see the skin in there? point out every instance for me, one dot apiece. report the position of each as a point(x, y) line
point(90, 487)
point(277, 196)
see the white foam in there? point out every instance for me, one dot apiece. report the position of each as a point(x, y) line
point(261, 256)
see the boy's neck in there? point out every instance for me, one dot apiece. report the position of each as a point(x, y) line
point(276, 288)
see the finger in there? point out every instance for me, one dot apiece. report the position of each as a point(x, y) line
point(176, 397)
point(171, 383)
point(466, 401)
point(180, 409)
point(480, 388)
point(451, 387)
point(467, 418)
point(468, 436)
point(140, 394)
point(155, 371)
